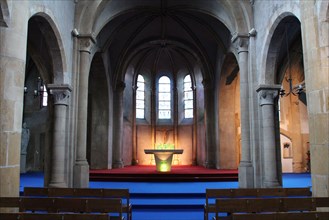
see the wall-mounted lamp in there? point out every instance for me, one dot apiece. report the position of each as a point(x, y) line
point(39, 90)
point(293, 90)
point(75, 32)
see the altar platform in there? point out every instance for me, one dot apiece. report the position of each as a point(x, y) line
point(178, 173)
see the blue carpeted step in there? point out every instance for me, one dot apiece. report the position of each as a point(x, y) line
point(168, 199)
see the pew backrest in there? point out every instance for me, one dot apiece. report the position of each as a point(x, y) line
point(122, 193)
point(213, 194)
point(259, 205)
point(77, 192)
point(53, 216)
point(282, 216)
point(9, 202)
point(59, 204)
point(258, 192)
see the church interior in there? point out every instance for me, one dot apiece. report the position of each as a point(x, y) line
point(224, 86)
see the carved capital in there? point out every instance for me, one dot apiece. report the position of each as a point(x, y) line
point(267, 94)
point(60, 93)
point(86, 42)
point(240, 42)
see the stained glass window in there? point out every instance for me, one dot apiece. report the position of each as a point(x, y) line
point(188, 97)
point(164, 97)
point(140, 97)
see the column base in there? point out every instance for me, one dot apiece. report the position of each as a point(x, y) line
point(246, 175)
point(57, 185)
point(81, 175)
point(118, 164)
point(272, 184)
point(209, 165)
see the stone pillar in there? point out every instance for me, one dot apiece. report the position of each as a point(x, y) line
point(210, 125)
point(267, 96)
point(246, 173)
point(61, 94)
point(118, 124)
point(25, 137)
point(315, 28)
point(13, 42)
point(81, 167)
point(134, 130)
point(195, 129)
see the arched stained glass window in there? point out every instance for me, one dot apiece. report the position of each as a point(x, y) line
point(188, 97)
point(140, 97)
point(164, 97)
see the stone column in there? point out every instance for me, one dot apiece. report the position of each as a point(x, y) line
point(195, 129)
point(315, 28)
point(118, 124)
point(13, 42)
point(210, 124)
point(25, 137)
point(267, 96)
point(61, 94)
point(134, 129)
point(246, 173)
point(81, 167)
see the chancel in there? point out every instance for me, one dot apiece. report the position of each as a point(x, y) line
point(216, 90)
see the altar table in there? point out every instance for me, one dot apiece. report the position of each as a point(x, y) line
point(163, 158)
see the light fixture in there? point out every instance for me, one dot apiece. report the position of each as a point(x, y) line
point(39, 90)
point(293, 90)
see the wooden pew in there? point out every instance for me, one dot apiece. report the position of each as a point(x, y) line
point(212, 194)
point(9, 202)
point(84, 193)
point(282, 216)
point(61, 204)
point(259, 205)
point(53, 216)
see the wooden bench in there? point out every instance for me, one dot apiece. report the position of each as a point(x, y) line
point(212, 194)
point(282, 216)
point(52, 216)
point(62, 205)
point(84, 193)
point(261, 205)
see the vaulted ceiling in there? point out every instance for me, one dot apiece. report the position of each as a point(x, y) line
point(164, 36)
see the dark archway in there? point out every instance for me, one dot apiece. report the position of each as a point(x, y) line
point(98, 147)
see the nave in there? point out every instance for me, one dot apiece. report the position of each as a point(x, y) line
point(167, 200)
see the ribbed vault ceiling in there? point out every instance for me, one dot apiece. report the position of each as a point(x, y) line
point(163, 37)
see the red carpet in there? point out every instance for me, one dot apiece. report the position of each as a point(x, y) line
point(177, 174)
